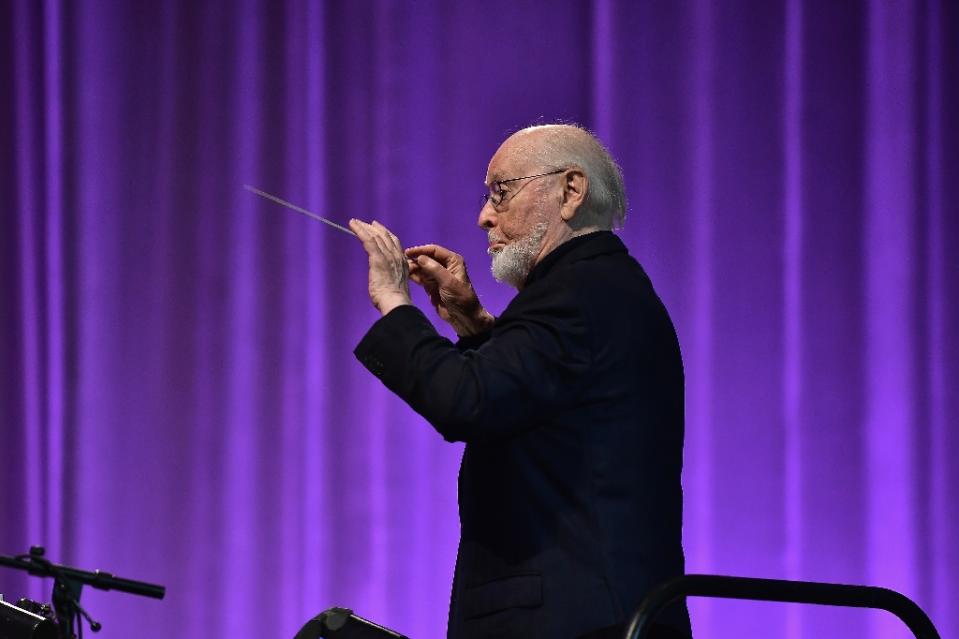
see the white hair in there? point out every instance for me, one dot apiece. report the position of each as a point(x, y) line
point(512, 263)
point(563, 146)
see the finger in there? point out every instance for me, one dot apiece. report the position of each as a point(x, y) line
point(392, 236)
point(423, 249)
point(436, 271)
point(386, 234)
point(358, 225)
point(363, 233)
point(375, 232)
point(442, 255)
point(421, 277)
point(430, 288)
point(383, 246)
point(388, 242)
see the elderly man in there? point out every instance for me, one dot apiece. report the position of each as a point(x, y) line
point(570, 402)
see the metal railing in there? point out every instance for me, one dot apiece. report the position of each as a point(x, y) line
point(806, 592)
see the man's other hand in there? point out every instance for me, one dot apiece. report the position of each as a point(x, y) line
point(389, 270)
point(442, 274)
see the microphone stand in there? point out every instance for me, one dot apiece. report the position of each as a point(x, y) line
point(67, 584)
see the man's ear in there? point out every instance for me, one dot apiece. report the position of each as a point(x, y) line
point(575, 187)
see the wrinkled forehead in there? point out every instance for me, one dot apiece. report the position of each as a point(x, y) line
point(513, 157)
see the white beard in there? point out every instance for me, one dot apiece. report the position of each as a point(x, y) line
point(513, 262)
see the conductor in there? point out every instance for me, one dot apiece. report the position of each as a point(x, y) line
point(570, 402)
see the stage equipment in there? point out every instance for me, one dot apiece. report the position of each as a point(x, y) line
point(755, 589)
point(20, 623)
point(341, 623)
point(67, 584)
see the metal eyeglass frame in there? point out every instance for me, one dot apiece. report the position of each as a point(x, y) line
point(496, 193)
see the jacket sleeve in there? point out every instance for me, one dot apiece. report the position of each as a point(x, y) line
point(532, 365)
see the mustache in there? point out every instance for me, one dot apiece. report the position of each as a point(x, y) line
point(491, 239)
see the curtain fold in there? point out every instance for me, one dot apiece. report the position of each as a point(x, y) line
point(178, 398)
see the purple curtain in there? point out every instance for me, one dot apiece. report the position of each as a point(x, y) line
point(178, 398)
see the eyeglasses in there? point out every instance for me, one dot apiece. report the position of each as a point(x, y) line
point(497, 193)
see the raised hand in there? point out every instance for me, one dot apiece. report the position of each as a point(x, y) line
point(442, 274)
point(389, 268)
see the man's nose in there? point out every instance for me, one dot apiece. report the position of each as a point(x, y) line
point(487, 216)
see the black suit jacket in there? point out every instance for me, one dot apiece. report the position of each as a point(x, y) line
point(571, 408)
